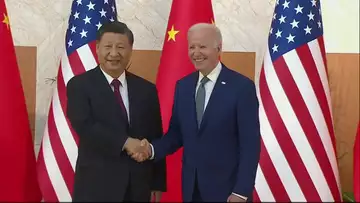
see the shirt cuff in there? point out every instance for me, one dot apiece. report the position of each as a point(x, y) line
point(242, 197)
point(152, 152)
point(124, 144)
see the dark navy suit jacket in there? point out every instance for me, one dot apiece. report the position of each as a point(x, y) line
point(224, 152)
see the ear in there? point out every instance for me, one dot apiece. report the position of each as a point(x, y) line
point(97, 46)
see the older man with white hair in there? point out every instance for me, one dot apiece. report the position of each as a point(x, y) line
point(215, 119)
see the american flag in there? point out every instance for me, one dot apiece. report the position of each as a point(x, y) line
point(58, 151)
point(298, 157)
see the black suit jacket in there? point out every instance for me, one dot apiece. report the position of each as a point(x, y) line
point(103, 170)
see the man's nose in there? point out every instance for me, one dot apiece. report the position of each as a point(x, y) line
point(196, 51)
point(113, 52)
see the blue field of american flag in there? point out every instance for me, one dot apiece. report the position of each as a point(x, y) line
point(298, 157)
point(58, 151)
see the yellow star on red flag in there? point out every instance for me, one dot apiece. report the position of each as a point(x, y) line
point(172, 33)
point(6, 20)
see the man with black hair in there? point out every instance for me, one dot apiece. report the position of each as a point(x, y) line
point(111, 109)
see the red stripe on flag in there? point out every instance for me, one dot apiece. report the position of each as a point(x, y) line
point(310, 68)
point(45, 183)
point(286, 144)
point(59, 152)
point(307, 124)
point(63, 101)
point(256, 197)
point(323, 52)
point(76, 64)
point(275, 184)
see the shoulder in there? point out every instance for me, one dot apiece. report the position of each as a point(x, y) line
point(140, 82)
point(83, 78)
point(189, 78)
point(238, 79)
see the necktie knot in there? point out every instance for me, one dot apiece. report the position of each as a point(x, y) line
point(204, 80)
point(116, 83)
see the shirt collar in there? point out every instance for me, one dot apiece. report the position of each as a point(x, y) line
point(213, 75)
point(109, 78)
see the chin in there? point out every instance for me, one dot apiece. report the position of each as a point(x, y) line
point(200, 67)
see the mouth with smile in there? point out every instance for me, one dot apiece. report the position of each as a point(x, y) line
point(113, 62)
point(199, 60)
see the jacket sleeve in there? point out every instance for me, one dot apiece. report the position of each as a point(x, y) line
point(101, 137)
point(172, 140)
point(249, 140)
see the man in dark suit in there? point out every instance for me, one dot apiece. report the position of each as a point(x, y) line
point(215, 119)
point(111, 109)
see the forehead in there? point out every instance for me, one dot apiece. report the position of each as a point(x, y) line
point(109, 37)
point(203, 35)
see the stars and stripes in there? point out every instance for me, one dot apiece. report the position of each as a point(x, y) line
point(298, 158)
point(58, 152)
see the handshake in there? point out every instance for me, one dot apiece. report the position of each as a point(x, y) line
point(139, 150)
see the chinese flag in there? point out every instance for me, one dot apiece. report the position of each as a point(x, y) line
point(357, 165)
point(175, 64)
point(18, 182)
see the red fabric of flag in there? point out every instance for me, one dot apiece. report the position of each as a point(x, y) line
point(175, 64)
point(357, 165)
point(18, 182)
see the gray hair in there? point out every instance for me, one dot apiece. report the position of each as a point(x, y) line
point(200, 26)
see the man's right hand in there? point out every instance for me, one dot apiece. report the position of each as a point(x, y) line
point(139, 150)
point(143, 152)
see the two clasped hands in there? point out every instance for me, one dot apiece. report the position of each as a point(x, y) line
point(139, 150)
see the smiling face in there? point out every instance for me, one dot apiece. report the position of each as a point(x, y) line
point(204, 48)
point(114, 53)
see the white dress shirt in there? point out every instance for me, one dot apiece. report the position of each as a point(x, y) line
point(123, 89)
point(209, 86)
point(123, 92)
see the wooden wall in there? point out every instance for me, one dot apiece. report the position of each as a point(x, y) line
point(26, 58)
point(344, 89)
point(145, 63)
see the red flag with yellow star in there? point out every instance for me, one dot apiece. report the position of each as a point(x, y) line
point(175, 64)
point(18, 182)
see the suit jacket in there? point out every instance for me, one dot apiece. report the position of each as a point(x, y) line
point(103, 169)
point(224, 152)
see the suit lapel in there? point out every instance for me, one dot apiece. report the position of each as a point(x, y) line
point(131, 85)
point(192, 105)
point(106, 93)
point(215, 100)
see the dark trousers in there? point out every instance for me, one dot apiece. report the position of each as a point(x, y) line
point(135, 194)
point(196, 194)
point(128, 196)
